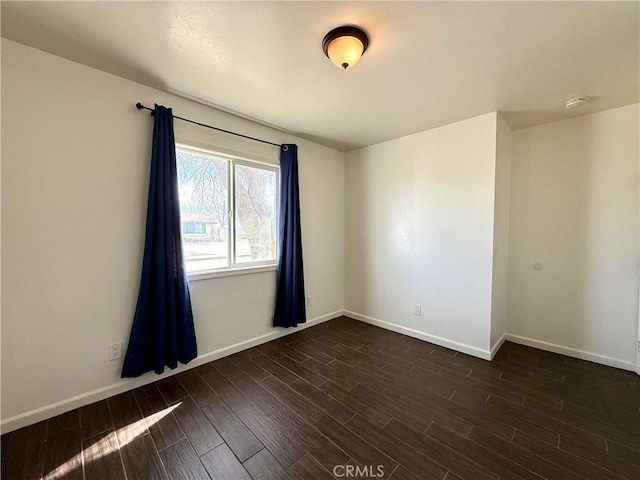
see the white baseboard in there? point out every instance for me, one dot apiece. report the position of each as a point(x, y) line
point(48, 411)
point(489, 354)
point(571, 352)
point(57, 408)
point(410, 332)
point(496, 346)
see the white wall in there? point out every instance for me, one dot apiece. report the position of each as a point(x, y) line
point(574, 209)
point(419, 229)
point(75, 156)
point(501, 234)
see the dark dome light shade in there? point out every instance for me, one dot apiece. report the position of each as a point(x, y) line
point(345, 45)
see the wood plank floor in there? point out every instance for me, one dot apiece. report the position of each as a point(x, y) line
point(348, 400)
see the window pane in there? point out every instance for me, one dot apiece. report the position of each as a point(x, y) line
point(204, 210)
point(255, 214)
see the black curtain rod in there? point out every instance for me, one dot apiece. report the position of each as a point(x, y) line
point(140, 106)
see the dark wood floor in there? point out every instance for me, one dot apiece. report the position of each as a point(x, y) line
point(348, 400)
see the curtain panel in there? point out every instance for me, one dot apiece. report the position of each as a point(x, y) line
point(163, 332)
point(290, 296)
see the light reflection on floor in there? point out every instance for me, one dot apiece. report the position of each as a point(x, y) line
point(106, 445)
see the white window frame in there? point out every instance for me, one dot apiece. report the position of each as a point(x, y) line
point(233, 160)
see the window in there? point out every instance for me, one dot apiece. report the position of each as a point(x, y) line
point(228, 209)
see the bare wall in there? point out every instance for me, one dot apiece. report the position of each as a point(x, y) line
point(419, 229)
point(574, 210)
point(499, 317)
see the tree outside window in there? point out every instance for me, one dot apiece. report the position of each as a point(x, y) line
point(228, 210)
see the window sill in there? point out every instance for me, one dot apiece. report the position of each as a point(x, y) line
point(196, 276)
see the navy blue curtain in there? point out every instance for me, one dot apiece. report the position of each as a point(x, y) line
point(162, 332)
point(290, 298)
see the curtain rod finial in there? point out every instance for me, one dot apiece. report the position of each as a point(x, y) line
point(139, 106)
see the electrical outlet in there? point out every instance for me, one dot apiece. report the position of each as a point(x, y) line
point(417, 309)
point(114, 351)
point(308, 300)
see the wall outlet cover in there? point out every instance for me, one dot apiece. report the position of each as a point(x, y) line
point(114, 351)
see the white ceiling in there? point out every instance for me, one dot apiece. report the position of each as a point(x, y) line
point(428, 64)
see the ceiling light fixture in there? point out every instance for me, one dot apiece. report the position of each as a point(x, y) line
point(345, 45)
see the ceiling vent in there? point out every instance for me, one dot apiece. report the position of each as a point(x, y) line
point(576, 102)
